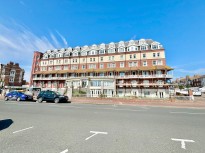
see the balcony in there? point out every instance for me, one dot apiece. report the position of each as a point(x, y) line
point(109, 77)
point(142, 84)
point(50, 78)
point(145, 76)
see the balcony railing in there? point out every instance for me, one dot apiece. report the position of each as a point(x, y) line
point(142, 84)
point(117, 77)
point(50, 78)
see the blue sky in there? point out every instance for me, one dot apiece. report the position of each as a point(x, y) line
point(179, 25)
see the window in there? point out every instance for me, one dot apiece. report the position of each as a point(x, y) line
point(159, 62)
point(111, 50)
point(93, 59)
point(90, 59)
point(144, 55)
point(83, 66)
point(93, 52)
point(154, 47)
point(83, 59)
point(134, 56)
point(121, 50)
point(158, 54)
point(154, 54)
point(50, 62)
point(102, 51)
point(111, 65)
point(74, 67)
point(131, 48)
point(92, 66)
point(130, 56)
point(101, 66)
point(58, 61)
point(111, 58)
point(12, 73)
point(66, 61)
point(75, 54)
point(122, 74)
point(57, 67)
point(143, 47)
point(122, 57)
point(11, 79)
point(144, 63)
point(154, 63)
point(122, 64)
point(50, 68)
point(132, 64)
point(101, 59)
point(44, 68)
point(65, 67)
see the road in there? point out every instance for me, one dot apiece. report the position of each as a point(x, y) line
point(29, 127)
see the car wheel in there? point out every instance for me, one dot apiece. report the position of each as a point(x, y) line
point(18, 99)
point(56, 100)
point(6, 98)
point(39, 100)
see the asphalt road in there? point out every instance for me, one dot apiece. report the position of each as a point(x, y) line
point(29, 127)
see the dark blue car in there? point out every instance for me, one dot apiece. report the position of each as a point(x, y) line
point(18, 96)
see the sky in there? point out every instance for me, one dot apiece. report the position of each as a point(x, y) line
point(38, 25)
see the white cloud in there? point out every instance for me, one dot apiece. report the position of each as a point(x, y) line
point(63, 39)
point(17, 44)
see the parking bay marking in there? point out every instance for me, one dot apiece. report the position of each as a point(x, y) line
point(23, 129)
point(187, 113)
point(183, 146)
point(95, 133)
point(64, 151)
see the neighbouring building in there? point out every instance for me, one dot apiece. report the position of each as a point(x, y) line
point(11, 75)
point(192, 81)
point(132, 68)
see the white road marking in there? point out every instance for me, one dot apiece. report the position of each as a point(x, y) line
point(95, 133)
point(64, 151)
point(23, 129)
point(51, 105)
point(187, 113)
point(18, 104)
point(183, 146)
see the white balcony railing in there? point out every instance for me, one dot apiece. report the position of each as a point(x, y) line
point(117, 77)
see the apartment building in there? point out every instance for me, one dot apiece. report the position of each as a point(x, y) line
point(11, 75)
point(127, 68)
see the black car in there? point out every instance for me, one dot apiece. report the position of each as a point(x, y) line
point(51, 96)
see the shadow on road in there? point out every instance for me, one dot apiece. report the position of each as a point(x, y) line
point(5, 123)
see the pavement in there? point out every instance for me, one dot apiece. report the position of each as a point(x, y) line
point(29, 127)
point(199, 102)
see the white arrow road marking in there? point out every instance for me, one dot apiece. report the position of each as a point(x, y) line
point(182, 142)
point(23, 129)
point(64, 151)
point(95, 133)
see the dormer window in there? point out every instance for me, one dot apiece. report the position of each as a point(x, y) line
point(101, 51)
point(59, 55)
point(75, 54)
point(111, 50)
point(83, 53)
point(121, 49)
point(143, 47)
point(154, 47)
point(132, 48)
point(92, 52)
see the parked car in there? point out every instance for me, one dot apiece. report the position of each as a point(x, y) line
point(18, 96)
point(51, 96)
point(197, 93)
